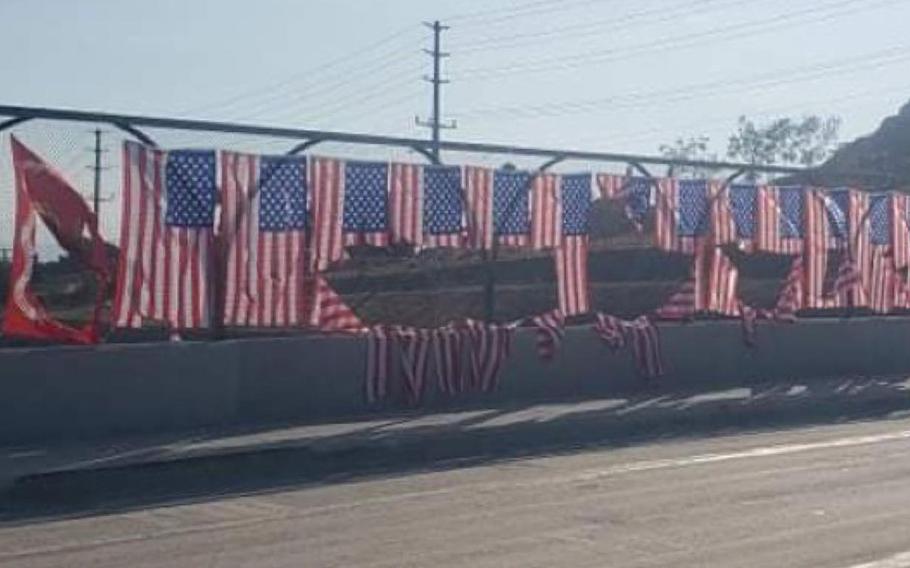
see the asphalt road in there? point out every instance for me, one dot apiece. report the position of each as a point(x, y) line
point(826, 496)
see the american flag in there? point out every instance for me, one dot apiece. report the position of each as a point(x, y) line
point(166, 238)
point(443, 207)
point(900, 233)
point(511, 220)
point(880, 269)
point(490, 345)
point(643, 336)
point(722, 223)
point(723, 279)
point(546, 209)
point(610, 186)
point(406, 204)
point(366, 199)
point(689, 297)
point(779, 222)
point(791, 296)
point(638, 194)
point(327, 191)
point(329, 312)
point(376, 384)
point(448, 343)
point(834, 221)
point(478, 185)
point(414, 348)
point(572, 255)
point(682, 214)
point(263, 230)
point(550, 328)
point(743, 203)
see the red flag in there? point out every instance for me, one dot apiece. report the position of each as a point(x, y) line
point(42, 192)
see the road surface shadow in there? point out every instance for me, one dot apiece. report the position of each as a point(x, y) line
point(418, 443)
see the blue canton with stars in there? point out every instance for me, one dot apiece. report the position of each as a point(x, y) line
point(791, 211)
point(510, 203)
point(190, 185)
point(282, 193)
point(742, 206)
point(837, 206)
point(693, 208)
point(442, 201)
point(576, 203)
point(637, 194)
point(365, 196)
point(880, 219)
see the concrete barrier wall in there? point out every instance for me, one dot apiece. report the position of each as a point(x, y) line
point(58, 394)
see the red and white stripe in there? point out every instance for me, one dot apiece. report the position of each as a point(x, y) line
point(900, 249)
point(790, 298)
point(327, 199)
point(768, 236)
point(817, 243)
point(610, 186)
point(723, 279)
point(689, 297)
point(376, 384)
point(414, 349)
point(448, 356)
point(859, 247)
point(643, 336)
point(490, 347)
point(546, 212)
point(265, 270)
point(329, 312)
point(723, 229)
point(884, 281)
point(406, 204)
point(550, 328)
point(478, 184)
point(571, 259)
point(165, 273)
point(665, 233)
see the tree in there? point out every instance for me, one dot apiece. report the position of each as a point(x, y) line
point(692, 148)
point(804, 142)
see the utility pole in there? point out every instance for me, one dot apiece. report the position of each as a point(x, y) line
point(97, 200)
point(434, 123)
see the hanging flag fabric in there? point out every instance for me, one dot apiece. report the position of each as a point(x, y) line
point(546, 208)
point(723, 281)
point(780, 219)
point(638, 194)
point(366, 200)
point(641, 334)
point(406, 204)
point(550, 329)
point(572, 275)
point(880, 267)
point(327, 192)
point(689, 297)
point(478, 185)
point(166, 238)
point(682, 214)
point(443, 207)
point(377, 370)
point(511, 212)
point(834, 222)
point(41, 192)
point(263, 232)
point(743, 205)
point(329, 312)
point(571, 256)
point(900, 248)
point(790, 298)
point(413, 346)
point(490, 345)
point(448, 345)
point(610, 186)
point(722, 228)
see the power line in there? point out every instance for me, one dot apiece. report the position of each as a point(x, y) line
point(510, 13)
point(727, 32)
point(308, 74)
point(640, 98)
point(598, 27)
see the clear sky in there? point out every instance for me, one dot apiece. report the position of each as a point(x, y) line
point(613, 75)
